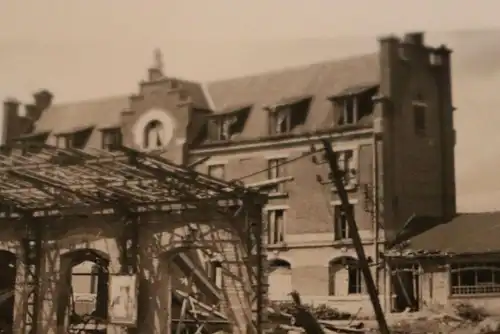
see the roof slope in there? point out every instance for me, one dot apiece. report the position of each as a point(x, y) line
point(320, 80)
point(103, 112)
point(467, 233)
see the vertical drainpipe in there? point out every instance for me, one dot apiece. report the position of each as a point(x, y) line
point(376, 207)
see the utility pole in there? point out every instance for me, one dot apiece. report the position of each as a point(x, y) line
point(338, 180)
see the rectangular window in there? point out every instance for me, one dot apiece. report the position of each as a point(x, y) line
point(419, 118)
point(355, 280)
point(276, 169)
point(280, 121)
point(220, 128)
point(475, 278)
point(275, 226)
point(111, 139)
point(341, 226)
point(217, 171)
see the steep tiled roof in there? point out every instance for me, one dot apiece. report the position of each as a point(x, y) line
point(321, 80)
point(104, 112)
point(465, 234)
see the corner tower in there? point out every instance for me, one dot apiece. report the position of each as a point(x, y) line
point(417, 133)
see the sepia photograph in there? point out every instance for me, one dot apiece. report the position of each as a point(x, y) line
point(257, 167)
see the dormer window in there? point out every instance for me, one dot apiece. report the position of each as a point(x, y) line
point(74, 139)
point(32, 142)
point(224, 126)
point(354, 104)
point(111, 139)
point(287, 115)
point(220, 127)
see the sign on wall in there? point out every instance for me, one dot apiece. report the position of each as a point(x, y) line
point(122, 309)
point(153, 130)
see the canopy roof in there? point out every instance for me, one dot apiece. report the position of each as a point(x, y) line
point(57, 180)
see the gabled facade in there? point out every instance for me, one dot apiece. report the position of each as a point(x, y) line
point(389, 114)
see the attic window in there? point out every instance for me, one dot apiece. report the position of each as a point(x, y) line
point(33, 142)
point(285, 117)
point(76, 139)
point(222, 127)
point(354, 104)
point(111, 139)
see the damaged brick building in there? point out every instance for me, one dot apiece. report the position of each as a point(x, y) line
point(389, 115)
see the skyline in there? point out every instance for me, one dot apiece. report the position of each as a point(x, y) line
point(53, 46)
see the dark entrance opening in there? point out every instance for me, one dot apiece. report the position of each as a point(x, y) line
point(405, 287)
point(7, 290)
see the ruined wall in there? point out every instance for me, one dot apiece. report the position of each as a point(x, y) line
point(160, 235)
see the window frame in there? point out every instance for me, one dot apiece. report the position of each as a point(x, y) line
point(338, 213)
point(273, 237)
point(212, 166)
point(419, 112)
point(275, 167)
point(113, 144)
point(478, 288)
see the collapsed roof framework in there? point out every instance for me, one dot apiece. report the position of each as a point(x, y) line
point(38, 181)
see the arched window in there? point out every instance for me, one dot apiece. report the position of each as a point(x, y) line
point(280, 279)
point(153, 135)
point(86, 273)
point(345, 277)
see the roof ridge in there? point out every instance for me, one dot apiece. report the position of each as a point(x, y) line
point(296, 67)
point(90, 100)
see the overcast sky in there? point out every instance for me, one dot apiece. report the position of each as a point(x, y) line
point(85, 49)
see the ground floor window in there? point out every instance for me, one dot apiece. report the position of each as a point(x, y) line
point(346, 277)
point(280, 279)
point(475, 278)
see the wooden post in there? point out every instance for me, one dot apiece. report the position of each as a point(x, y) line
point(337, 177)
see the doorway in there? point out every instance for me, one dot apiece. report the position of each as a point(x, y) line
point(405, 288)
point(7, 290)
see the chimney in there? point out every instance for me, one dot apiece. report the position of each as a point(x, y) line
point(32, 112)
point(415, 38)
point(43, 99)
point(10, 119)
point(11, 107)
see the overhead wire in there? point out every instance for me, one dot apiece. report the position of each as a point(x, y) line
point(287, 162)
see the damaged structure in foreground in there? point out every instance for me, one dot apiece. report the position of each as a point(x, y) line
point(171, 248)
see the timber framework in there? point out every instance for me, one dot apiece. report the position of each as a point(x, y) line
point(157, 226)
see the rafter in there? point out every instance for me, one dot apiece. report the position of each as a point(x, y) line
point(61, 180)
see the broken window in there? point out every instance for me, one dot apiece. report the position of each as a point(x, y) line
point(342, 231)
point(285, 118)
point(275, 226)
point(77, 139)
point(354, 104)
point(111, 139)
point(220, 127)
point(345, 277)
point(86, 274)
point(218, 171)
point(475, 278)
point(277, 169)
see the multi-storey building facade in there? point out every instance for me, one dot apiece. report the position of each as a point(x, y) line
point(388, 114)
